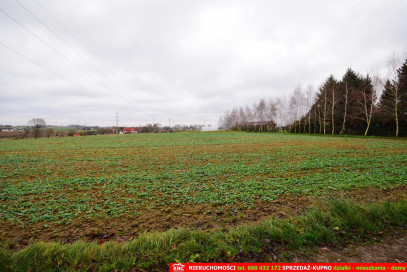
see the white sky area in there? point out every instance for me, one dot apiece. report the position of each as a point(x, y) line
point(188, 60)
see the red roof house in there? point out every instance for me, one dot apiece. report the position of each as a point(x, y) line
point(128, 130)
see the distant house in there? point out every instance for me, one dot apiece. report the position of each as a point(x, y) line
point(7, 129)
point(130, 130)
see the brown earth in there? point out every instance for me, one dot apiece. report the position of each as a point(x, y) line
point(199, 217)
point(165, 155)
point(390, 249)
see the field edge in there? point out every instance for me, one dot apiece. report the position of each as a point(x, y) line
point(334, 222)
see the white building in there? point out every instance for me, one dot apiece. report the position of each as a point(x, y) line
point(209, 128)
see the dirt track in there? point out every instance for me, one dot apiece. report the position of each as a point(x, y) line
point(391, 249)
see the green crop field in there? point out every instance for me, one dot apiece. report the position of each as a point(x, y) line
point(101, 188)
point(120, 185)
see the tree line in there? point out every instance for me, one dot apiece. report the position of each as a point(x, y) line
point(356, 104)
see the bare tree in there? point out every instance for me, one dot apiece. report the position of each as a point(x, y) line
point(36, 124)
point(234, 118)
point(345, 107)
point(324, 112)
point(330, 86)
point(293, 112)
point(226, 120)
point(281, 104)
point(261, 113)
point(271, 114)
point(249, 115)
point(366, 98)
point(242, 119)
point(300, 101)
point(49, 132)
point(394, 64)
point(309, 95)
point(319, 118)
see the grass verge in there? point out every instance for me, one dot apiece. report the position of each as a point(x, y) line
point(335, 222)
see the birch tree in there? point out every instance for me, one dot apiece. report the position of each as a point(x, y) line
point(345, 107)
point(366, 99)
point(330, 87)
point(394, 63)
point(309, 95)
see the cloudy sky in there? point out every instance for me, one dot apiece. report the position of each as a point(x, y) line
point(81, 61)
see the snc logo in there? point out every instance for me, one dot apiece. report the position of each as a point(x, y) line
point(178, 267)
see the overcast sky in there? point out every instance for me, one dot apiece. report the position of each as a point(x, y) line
point(186, 60)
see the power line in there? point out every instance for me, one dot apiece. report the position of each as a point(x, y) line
point(72, 48)
point(56, 20)
point(44, 67)
point(49, 29)
point(49, 46)
point(88, 60)
point(61, 54)
point(58, 36)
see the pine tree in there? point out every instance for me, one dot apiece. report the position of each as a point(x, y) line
point(386, 104)
point(402, 86)
point(351, 81)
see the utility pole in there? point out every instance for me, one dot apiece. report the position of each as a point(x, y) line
point(117, 119)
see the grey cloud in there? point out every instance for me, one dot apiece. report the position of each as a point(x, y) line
point(185, 60)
